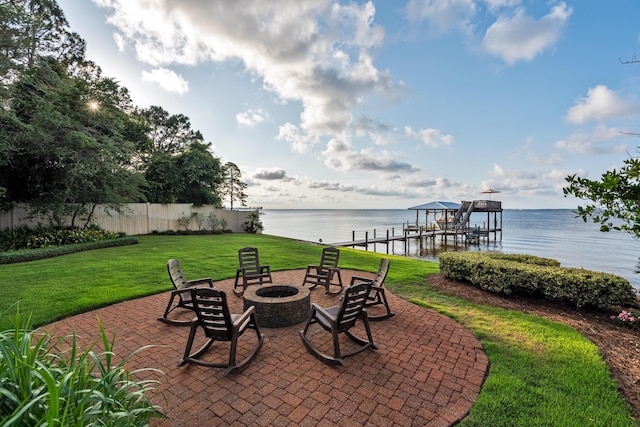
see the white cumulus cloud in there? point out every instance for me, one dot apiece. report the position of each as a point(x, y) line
point(598, 141)
point(442, 15)
point(341, 156)
point(496, 4)
point(251, 117)
point(167, 80)
point(300, 142)
point(430, 137)
point(601, 103)
point(521, 37)
point(315, 52)
point(525, 182)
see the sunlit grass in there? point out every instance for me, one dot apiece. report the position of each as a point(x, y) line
point(539, 370)
point(54, 288)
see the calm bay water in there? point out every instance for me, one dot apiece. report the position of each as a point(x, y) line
point(551, 233)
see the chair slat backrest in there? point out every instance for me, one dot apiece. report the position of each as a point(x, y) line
point(330, 257)
point(382, 272)
point(249, 260)
point(353, 302)
point(176, 274)
point(213, 313)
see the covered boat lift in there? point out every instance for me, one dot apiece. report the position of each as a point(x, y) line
point(450, 218)
point(443, 213)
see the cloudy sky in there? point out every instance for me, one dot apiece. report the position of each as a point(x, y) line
point(388, 103)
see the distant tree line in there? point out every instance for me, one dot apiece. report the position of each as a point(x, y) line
point(71, 138)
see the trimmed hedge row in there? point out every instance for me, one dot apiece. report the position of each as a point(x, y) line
point(535, 276)
point(25, 255)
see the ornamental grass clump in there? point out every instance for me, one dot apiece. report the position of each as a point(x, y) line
point(43, 385)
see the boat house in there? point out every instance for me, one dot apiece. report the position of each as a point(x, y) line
point(443, 219)
point(454, 219)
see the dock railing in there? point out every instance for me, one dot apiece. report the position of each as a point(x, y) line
point(373, 237)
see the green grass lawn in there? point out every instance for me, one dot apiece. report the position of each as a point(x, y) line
point(542, 373)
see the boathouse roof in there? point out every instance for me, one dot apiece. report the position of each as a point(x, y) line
point(437, 206)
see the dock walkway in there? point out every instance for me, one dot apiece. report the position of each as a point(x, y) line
point(454, 221)
point(462, 236)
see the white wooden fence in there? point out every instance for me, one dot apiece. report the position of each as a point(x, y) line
point(141, 218)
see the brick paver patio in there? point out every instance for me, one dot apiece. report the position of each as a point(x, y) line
point(427, 371)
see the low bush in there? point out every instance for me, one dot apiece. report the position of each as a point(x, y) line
point(253, 223)
point(25, 255)
point(42, 385)
point(535, 276)
point(24, 237)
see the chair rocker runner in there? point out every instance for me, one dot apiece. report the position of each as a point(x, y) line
point(250, 271)
point(324, 273)
point(218, 324)
point(340, 319)
point(377, 296)
point(182, 291)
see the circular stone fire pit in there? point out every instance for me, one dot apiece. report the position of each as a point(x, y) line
point(278, 306)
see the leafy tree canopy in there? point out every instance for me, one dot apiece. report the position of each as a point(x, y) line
point(71, 138)
point(177, 163)
point(31, 30)
point(615, 198)
point(167, 133)
point(64, 153)
point(202, 174)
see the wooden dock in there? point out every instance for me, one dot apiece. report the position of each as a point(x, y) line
point(450, 220)
point(419, 235)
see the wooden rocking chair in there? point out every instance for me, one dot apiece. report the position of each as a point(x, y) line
point(324, 273)
point(340, 319)
point(182, 291)
point(377, 296)
point(250, 270)
point(219, 324)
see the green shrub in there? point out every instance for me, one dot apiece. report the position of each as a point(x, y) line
point(25, 255)
point(464, 265)
point(252, 224)
point(14, 238)
point(535, 276)
point(41, 237)
point(40, 385)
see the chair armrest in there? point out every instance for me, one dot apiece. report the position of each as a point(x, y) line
point(265, 267)
point(197, 282)
point(362, 279)
point(323, 313)
point(242, 320)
